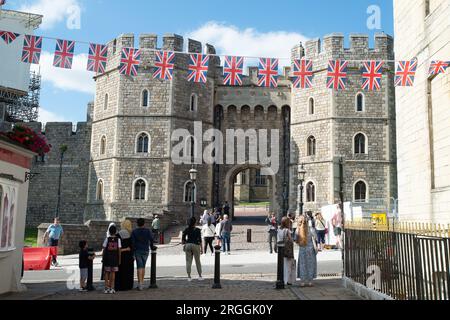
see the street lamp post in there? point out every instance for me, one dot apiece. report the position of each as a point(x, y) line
point(62, 150)
point(193, 176)
point(301, 177)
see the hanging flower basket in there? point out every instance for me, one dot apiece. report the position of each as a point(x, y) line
point(29, 139)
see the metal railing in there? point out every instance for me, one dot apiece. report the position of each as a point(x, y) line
point(410, 263)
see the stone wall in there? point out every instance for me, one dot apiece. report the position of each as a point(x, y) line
point(43, 190)
point(93, 231)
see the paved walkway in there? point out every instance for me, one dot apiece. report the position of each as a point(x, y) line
point(234, 287)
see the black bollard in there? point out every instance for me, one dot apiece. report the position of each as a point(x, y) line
point(217, 284)
point(249, 235)
point(153, 269)
point(280, 271)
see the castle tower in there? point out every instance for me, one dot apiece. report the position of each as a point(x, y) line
point(353, 125)
point(131, 171)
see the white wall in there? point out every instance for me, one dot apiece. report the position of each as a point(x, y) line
point(426, 38)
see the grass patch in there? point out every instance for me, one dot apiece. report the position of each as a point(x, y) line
point(252, 204)
point(31, 235)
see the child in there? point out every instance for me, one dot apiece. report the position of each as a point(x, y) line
point(111, 259)
point(84, 261)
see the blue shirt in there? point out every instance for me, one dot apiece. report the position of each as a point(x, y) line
point(142, 239)
point(55, 231)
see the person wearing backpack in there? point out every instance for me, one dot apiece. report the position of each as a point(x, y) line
point(285, 237)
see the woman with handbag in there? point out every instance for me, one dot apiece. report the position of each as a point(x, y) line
point(307, 255)
point(289, 261)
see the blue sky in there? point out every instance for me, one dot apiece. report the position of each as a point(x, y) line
point(261, 28)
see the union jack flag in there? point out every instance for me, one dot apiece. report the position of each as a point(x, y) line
point(268, 72)
point(438, 67)
point(98, 57)
point(8, 36)
point(233, 70)
point(337, 74)
point(302, 74)
point(198, 68)
point(405, 74)
point(372, 72)
point(129, 62)
point(64, 54)
point(164, 65)
point(32, 47)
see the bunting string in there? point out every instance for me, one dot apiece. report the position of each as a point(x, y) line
point(198, 65)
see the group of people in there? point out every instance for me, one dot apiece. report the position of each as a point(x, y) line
point(308, 231)
point(196, 240)
point(120, 250)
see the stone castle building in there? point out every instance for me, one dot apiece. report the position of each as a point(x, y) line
point(119, 162)
point(423, 113)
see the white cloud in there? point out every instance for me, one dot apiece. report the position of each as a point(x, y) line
point(47, 116)
point(53, 11)
point(229, 39)
point(75, 79)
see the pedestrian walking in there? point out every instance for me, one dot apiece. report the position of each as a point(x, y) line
point(218, 231)
point(54, 234)
point(284, 236)
point(125, 275)
point(156, 226)
point(141, 241)
point(83, 264)
point(208, 233)
point(307, 254)
point(204, 218)
point(321, 230)
point(272, 227)
point(111, 259)
point(336, 221)
point(191, 241)
point(226, 209)
point(225, 234)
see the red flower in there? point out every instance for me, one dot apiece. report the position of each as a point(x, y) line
point(29, 139)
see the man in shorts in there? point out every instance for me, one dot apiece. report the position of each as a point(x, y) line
point(142, 239)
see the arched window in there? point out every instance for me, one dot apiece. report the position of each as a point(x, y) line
point(145, 98)
point(311, 106)
point(190, 148)
point(140, 188)
point(311, 146)
point(360, 102)
point(103, 145)
point(189, 189)
point(99, 194)
point(360, 144)
point(1, 198)
point(310, 192)
point(106, 102)
point(193, 103)
point(360, 192)
point(142, 143)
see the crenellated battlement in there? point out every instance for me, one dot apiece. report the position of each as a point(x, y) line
point(333, 45)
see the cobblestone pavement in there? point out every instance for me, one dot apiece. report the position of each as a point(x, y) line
point(234, 287)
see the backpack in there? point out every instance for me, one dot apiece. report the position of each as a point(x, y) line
point(288, 245)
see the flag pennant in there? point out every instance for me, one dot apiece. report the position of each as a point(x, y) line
point(164, 63)
point(302, 74)
point(32, 48)
point(8, 37)
point(372, 73)
point(64, 54)
point(268, 72)
point(405, 73)
point(97, 58)
point(337, 74)
point(198, 68)
point(437, 67)
point(233, 71)
point(130, 61)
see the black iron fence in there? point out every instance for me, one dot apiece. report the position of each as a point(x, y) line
point(401, 264)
